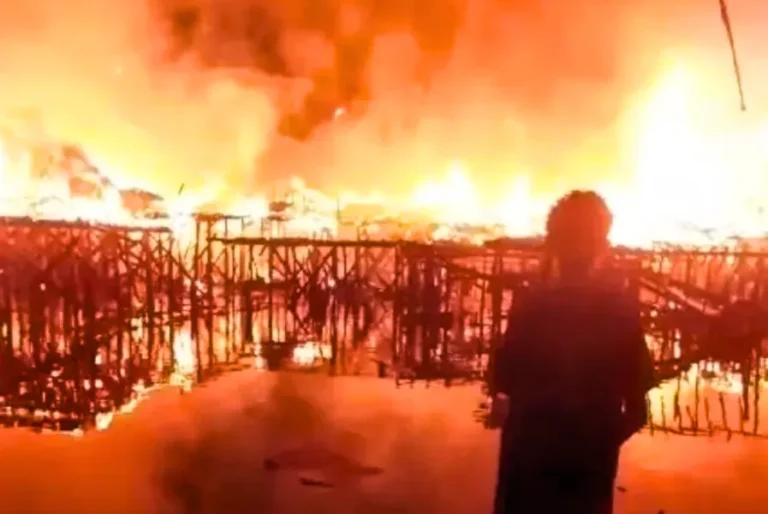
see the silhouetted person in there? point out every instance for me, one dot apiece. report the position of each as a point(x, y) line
point(571, 375)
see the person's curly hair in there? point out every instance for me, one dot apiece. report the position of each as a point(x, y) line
point(578, 225)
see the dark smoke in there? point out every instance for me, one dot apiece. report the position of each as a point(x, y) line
point(255, 33)
point(395, 66)
point(204, 92)
point(499, 84)
point(548, 42)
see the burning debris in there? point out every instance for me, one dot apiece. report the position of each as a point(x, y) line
point(98, 313)
point(58, 181)
point(54, 395)
point(148, 290)
point(82, 311)
point(142, 203)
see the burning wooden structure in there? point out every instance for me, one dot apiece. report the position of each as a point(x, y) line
point(332, 295)
point(435, 311)
point(214, 274)
point(91, 314)
point(83, 309)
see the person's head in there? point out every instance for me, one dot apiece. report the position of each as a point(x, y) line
point(577, 231)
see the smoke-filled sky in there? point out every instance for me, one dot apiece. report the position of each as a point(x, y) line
point(236, 93)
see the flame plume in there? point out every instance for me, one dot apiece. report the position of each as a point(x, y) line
point(506, 105)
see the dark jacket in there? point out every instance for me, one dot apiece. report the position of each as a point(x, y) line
point(576, 368)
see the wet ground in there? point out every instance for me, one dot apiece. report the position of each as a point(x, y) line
point(204, 452)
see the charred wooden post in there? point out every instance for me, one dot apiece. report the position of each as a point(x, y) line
point(322, 299)
point(169, 255)
point(216, 277)
point(78, 302)
point(194, 302)
point(705, 316)
point(210, 285)
point(338, 352)
point(417, 300)
point(393, 293)
point(412, 296)
point(429, 313)
point(251, 281)
point(270, 295)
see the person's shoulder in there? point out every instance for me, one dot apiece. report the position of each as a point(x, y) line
point(624, 300)
point(529, 299)
point(612, 288)
point(616, 299)
point(534, 295)
point(623, 311)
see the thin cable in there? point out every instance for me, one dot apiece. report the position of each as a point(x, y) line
point(729, 31)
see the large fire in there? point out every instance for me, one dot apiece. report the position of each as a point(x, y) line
point(680, 170)
point(684, 186)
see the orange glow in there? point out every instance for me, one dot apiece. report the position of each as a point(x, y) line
point(309, 353)
point(670, 153)
point(451, 131)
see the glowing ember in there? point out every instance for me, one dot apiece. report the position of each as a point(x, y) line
point(104, 420)
point(185, 364)
point(309, 353)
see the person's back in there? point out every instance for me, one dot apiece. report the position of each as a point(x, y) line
point(575, 369)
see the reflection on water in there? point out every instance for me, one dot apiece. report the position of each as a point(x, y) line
point(203, 452)
point(709, 398)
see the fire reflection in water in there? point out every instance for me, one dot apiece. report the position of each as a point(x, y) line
point(310, 353)
point(184, 362)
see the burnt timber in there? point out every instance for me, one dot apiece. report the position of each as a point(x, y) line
point(89, 311)
point(89, 314)
point(436, 297)
point(82, 311)
point(436, 311)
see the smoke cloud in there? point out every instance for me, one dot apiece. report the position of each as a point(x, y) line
point(232, 95)
point(400, 89)
point(96, 74)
